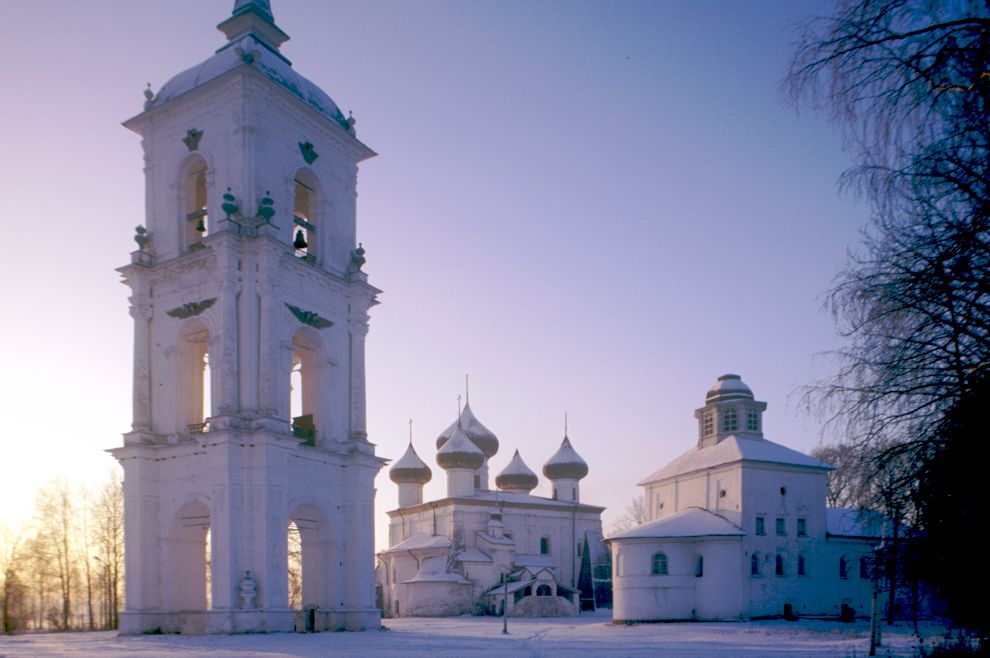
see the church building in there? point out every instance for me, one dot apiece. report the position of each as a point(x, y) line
point(737, 528)
point(250, 313)
point(480, 550)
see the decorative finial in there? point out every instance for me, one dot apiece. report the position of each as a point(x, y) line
point(267, 208)
point(357, 258)
point(149, 96)
point(410, 431)
point(565, 424)
point(350, 121)
point(458, 408)
point(467, 390)
point(141, 237)
point(228, 204)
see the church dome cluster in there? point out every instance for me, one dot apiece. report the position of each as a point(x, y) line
point(464, 450)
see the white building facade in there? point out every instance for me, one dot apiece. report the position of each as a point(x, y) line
point(737, 528)
point(250, 315)
point(480, 550)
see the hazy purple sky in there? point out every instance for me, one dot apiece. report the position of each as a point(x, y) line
point(591, 207)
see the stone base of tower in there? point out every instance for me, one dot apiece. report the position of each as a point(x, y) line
point(247, 621)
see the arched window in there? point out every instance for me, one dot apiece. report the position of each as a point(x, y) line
point(659, 565)
point(699, 567)
point(309, 550)
point(754, 564)
point(779, 565)
point(543, 590)
point(305, 215)
point(193, 185)
point(188, 559)
point(843, 567)
point(802, 565)
point(544, 545)
point(865, 567)
point(730, 421)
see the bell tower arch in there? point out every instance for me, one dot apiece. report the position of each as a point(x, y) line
point(244, 156)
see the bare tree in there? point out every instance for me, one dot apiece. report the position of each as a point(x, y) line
point(634, 516)
point(54, 516)
point(108, 540)
point(12, 566)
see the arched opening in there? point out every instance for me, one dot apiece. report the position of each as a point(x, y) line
point(193, 203)
point(189, 559)
point(659, 565)
point(194, 391)
point(307, 389)
point(305, 215)
point(309, 555)
point(544, 590)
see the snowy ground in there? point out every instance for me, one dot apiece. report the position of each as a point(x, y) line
point(590, 635)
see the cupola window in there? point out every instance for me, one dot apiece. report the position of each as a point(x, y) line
point(730, 421)
point(753, 420)
point(709, 424)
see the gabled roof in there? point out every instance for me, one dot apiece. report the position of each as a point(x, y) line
point(421, 540)
point(730, 450)
point(692, 522)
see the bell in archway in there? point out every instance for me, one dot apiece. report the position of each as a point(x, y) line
point(300, 241)
point(200, 226)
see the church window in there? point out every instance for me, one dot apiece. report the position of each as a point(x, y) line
point(778, 565)
point(802, 527)
point(781, 527)
point(308, 371)
point(865, 568)
point(761, 525)
point(659, 565)
point(699, 567)
point(544, 545)
point(730, 421)
point(754, 564)
point(195, 224)
point(543, 590)
point(843, 567)
point(753, 420)
point(802, 567)
point(709, 424)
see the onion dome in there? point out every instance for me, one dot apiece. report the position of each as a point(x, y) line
point(410, 469)
point(728, 387)
point(460, 452)
point(565, 463)
point(479, 435)
point(516, 476)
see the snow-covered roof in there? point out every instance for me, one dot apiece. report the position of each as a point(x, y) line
point(438, 577)
point(501, 541)
point(472, 555)
point(851, 522)
point(730, 450)
point(421, 540)
point(565, 463)
point(460, 452)
point(692, 522)
point(728, 387)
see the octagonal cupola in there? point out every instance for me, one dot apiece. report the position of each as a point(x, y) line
point(460, 458)
point(730, 410)
point(516, 476)
point(564, 469)
point(410, 473)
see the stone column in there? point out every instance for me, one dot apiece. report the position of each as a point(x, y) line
point(141, 312)
point(357, 332)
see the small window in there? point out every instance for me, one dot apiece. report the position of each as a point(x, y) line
point(659, 565)
point(507, 535)
point(865, 568)
point(730, 421)
point(580, 546)
point(802, 527)
point(709, 424)
point(802, 566)
point(753, 420)
point(843, 568)
point(544, 546)
point(699, 567)
point(781, 527)
point(754, 564)
point(761, 525)
point(779, 565)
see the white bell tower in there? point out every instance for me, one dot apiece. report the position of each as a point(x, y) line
point(250, 312)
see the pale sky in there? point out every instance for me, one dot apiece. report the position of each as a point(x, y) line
point(590, 207)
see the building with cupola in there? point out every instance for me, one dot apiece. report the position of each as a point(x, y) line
point(481, 549)
point(737, 528)
point(250, 309)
